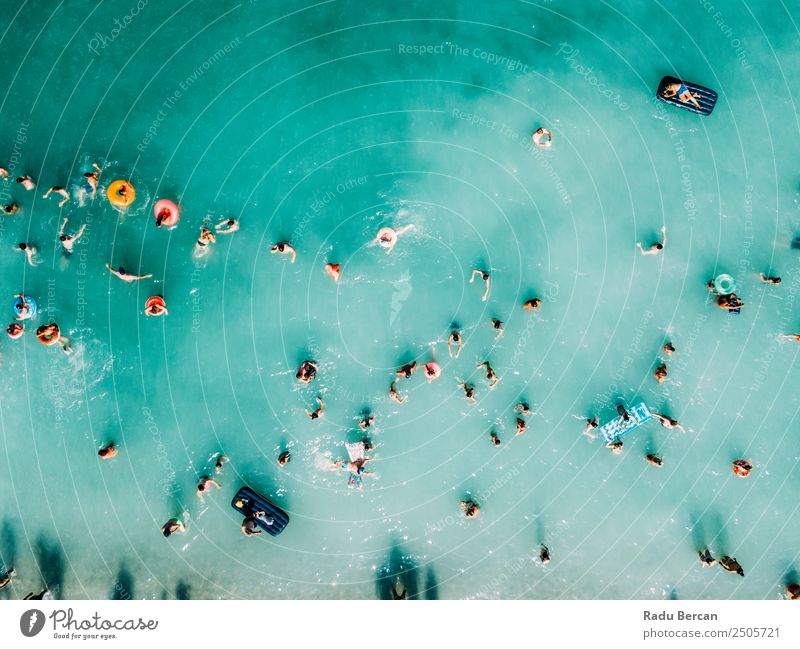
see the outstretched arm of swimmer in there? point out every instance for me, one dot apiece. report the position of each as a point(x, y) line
point(475, 272)
point(63, 225)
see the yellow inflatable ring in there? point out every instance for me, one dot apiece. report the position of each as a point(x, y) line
point(121, 193)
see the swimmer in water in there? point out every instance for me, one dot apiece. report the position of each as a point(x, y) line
point(655, 460)
point(661, 373)
point(4, 173)
point(522, 426)
point(249, 524)
point(204, 486)
point(730, 564)
point(306, 372)
point(793, 591)
point(15, 330)
point(5, 580)
point(729, 302)
point(407, 370)
point(623, 413)
point(172, 526)
point(48, 332)
point(60, 191)
point(470, 508)
point(125, 276)
point(206, 238)
point(284, 248)
point(532, 305)
point(108, 451)
point(591, 424)
point(490, 374)
point(668, 422)
point(544, 554)
point(27, 182)
point(394, 395)
point(334, 271)
point(795, 337)
point(92, 178)
point(522, 408)
point(368, 445)
point(655, 248)
point(387, 237)
point(219, 463)
point(155, 308)
point(316, 414)
point(30, 252)
point(454, 339)
point(367, 421)
point(432, 371)
point(542, 138)
point(682, 92)
point(486, 279)
point(495, 439)
point(227, 226)
point(706, 558)
point(469, 391)
point(742, 468)
point(283, 458)
point(399, 594)
point(10, 208)
point(669, 348)
point(615, 445)
point(68, 242)
point(769, 280)
point(497, 325)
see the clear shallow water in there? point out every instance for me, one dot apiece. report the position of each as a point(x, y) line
point(318, 124)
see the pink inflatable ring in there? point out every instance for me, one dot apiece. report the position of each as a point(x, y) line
point(167, 214)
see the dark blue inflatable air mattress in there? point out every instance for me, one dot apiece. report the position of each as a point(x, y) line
point(246, 501)
point(705, 97)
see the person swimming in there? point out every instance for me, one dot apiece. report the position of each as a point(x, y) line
point(108, 451)
point(655, 460)
point(394, 395)
point(544, 554)
point(591, 424)
point(125, 276)
point(522, 426)
point(15, 330)
point(470, 508)
point(219, 462)
point(202, 246)
point(490, 374)
point(793, 591)
point(387, 237)
point(615, 445)
point(657, 247)
point(469, 391)
point(432, 371)
point(30, 252)
point(317, 413)
point(283, 458)
point(334, 271)
point(172, 526)
point(487, 280)
point(227, 226)
point(5, 580)
point(682, 92)
point(367, 420)
point(668, 422)
point(495, 439)
point(68, 242)
point(155, 306)
point(497, 325)
point(522, 408)
point(204, 486)
point(92, 178)
point(769, 280)
point(729, 302)
point(250, 523)
point(730, 564)
point(542, 138)
point(283, 248)
point(706, 559)
point(306, 372)
point(454, 339)
point(623, 413)
point(406, 371)
point(50, 334)
point(27, 182)
point(742, 468)
point(60, 191)
point(661, 373)
point(10, 208)
point(669, 348)
point(532, 305)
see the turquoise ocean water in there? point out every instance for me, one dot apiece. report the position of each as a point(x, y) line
point(320, 123)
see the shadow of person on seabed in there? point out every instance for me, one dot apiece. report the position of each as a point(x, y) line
point(398, 578)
